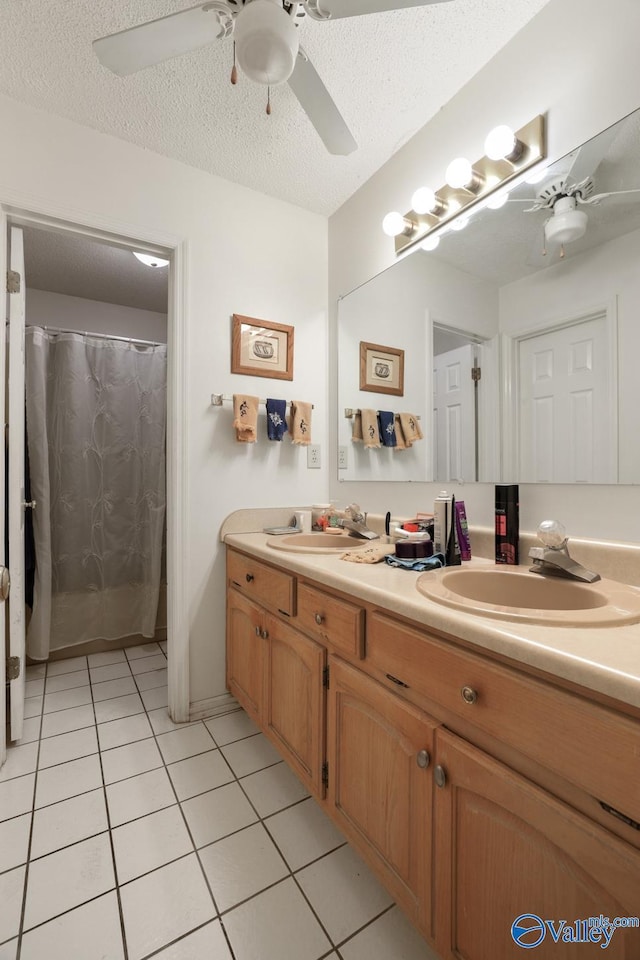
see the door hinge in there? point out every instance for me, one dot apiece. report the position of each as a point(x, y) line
point(476, 374)
point(13, 668)
point(325, 678)
point(325, 774)
point(13, 281)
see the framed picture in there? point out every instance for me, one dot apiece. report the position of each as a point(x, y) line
point(261, 349)
point(381, 369)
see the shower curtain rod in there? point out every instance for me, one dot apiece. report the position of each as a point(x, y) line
point(104, 336)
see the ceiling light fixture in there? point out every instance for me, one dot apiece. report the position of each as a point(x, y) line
point(266, 42)
point(395, 225)
point(425, 200)
point(502, 144)
point(150, 260)
point(567, 222)
point(461, 176)
point(471, 186)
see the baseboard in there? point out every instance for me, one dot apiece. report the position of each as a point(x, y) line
point(213, 707)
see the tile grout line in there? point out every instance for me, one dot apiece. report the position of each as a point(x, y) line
point(25, 888)
point(125, 949)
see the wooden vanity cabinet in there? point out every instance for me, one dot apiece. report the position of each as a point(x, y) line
point(504, 847)
point(464, 841)
point(379, 752)
point(294, 700)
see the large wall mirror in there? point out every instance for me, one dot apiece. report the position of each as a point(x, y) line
point(521, 334)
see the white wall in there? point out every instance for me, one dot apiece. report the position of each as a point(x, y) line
point(246, 253)
point(76, 313)
point(577, 62)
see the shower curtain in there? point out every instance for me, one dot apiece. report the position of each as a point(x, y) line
point(96, 419)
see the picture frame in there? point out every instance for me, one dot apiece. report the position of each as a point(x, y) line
point(381, 369)
point(260, 348)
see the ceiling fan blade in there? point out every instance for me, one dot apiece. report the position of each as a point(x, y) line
point(150, 43)
point(337, 9)
point(589, 157)
point(320, 108)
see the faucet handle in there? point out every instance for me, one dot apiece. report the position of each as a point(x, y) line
point(553, 534)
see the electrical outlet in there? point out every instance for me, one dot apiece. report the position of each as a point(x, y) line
point(343, 458)
point(313, 457)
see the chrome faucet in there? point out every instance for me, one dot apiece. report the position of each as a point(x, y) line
point(553, 560)
point(356, 523)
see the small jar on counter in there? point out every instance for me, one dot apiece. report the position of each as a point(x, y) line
point(320, 513)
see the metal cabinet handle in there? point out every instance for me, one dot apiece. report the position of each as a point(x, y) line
point(399, 683)
point(423, 759)
point(249, 577)
point(5, 582)
point(439, 776)
point(258, 632)
point(265, 634)
point(319, 618)
point(469, 695)
point(29, 504)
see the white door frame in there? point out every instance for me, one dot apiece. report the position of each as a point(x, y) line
point(23, 211)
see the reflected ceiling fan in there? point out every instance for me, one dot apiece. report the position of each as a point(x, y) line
point(266, 45)
point(566, 191)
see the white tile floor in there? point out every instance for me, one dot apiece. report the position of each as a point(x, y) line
point(124, 836)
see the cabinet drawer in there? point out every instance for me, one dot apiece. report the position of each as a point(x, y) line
point(273, 588)
point(331, 620)
point(589, 745)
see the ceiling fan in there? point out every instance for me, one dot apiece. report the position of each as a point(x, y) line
point(266, 46)
point(569, 189)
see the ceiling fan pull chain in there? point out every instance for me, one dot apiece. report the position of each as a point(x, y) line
point(268, 101)
point(234, 69)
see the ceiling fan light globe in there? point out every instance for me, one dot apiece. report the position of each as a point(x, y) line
point(567, 223)
point(266, 42)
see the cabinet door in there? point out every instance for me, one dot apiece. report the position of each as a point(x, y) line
point(507, 849)
point(295, 700)
point(378, 793)
point(245, 652)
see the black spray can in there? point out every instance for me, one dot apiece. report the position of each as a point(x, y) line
point(507, 523)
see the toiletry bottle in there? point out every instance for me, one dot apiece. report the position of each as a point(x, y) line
point(507, 523)
point(441, 519)
point(452, 556)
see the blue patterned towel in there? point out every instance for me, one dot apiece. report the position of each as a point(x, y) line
point(387, 428)
point(422, 563)
point(276, 419)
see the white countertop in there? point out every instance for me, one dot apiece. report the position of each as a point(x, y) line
point(602, 659)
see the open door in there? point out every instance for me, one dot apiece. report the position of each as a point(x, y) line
point(14, 449)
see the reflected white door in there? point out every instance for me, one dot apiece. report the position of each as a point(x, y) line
point(15, 477)
point(567, 423)
point(454, 415)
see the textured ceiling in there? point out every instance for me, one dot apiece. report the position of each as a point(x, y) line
point(389, 74)
point(80, 267)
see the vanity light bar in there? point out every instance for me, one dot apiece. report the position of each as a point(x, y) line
point(489, 176)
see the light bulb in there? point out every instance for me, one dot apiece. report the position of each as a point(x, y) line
point(502, 144)
point(394, 224)
point(497, 200)
point(429, 243)
point(461, 175)
point(150, 260)
point(460, 223)
point(425, 200)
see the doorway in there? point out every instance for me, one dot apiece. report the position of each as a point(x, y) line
point(42, 233)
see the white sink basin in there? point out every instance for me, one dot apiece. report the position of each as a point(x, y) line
point(513, 594)
point(317, 542)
